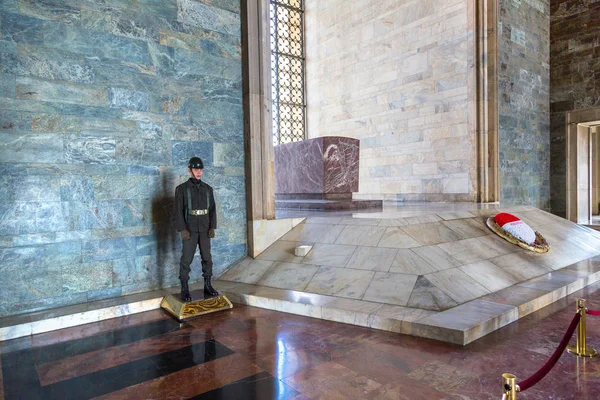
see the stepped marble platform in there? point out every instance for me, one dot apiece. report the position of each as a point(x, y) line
point(435, 271)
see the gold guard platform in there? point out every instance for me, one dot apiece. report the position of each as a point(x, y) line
point(180, 310)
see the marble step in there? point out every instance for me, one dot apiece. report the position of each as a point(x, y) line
point(459, 325)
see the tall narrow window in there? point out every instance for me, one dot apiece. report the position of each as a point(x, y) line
point(287, 70)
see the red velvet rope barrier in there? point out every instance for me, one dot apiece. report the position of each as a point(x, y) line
point(593, 312)
point(542, 372)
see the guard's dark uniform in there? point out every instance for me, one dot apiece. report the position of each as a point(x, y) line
point(195, 211)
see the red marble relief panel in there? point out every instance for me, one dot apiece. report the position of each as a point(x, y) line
point(317, 166)
point(340, 164)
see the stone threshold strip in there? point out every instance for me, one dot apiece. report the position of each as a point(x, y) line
point(13, 327)
point(460, 325)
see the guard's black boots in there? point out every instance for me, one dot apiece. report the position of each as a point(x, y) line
point(185, 292)
point(208, 289)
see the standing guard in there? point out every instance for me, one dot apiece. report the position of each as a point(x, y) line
point(196, 220)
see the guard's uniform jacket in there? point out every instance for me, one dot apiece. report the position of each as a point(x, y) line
point(202, 198)
point(195, 211)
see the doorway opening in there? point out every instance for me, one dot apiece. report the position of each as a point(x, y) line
point(583, 167)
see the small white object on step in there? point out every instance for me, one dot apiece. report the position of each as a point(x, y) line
point(302, 251)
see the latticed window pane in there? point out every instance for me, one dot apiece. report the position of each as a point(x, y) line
point(291, 123)
point(287, 70)
point(296, 4)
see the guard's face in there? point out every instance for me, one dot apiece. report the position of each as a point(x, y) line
point(196, 173)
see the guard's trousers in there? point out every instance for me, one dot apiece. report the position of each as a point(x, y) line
point(202, 240)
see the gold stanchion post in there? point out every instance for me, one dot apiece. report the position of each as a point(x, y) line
point(509, 386)
point(581, 348)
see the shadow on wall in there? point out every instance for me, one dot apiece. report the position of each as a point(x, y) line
point(165, 235)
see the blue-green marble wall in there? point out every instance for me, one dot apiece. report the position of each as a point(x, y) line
point(101, 105)
point(524, 102)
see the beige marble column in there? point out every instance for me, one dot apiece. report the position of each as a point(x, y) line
point(595, 143)
point(260, 178)
point(483, 97)
point(582, 186)
point(580, 163)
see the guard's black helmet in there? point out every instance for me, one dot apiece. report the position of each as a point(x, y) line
point(196, 162)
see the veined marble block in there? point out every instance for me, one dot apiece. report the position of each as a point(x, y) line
point(324, 167)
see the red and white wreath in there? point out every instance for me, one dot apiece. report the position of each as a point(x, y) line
point(516, 231)
point(515, 227)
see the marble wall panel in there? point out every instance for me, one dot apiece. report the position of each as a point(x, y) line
point(216, 131)
point(130, 99)
point(228, 154)
point(61, 108)
point(125, 187)
point(35, 89)
point(102, 294)
point(76, 188)
point(135, 212)
point(395, 76)
point(15, 121)
point(35, 188)
point(97, 44)
point(101, 106)
point(7, 195)
point(34, 61)
point(87, 277)
point(16, 218)
point(108, 249)
point(30, 239)
point(143, 152)
point(574, 49)
point(190, 64)
point(201, 40)
point(183, 151)
point(523, 106)
point(64, 253)
point(90, 150)
point(51, 216)
point(22, 29)
point(32, 305)
point(18, 148)
point(34, 283)
point(7, 85)
point(211, 18)
point(205, 110)
point(50, 10)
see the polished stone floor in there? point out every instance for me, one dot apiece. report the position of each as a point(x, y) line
point(253, 353)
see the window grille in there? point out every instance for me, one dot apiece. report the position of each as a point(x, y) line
point(287, 70)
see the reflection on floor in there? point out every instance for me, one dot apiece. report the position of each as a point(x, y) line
point(252, 353)
point(430, 270)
